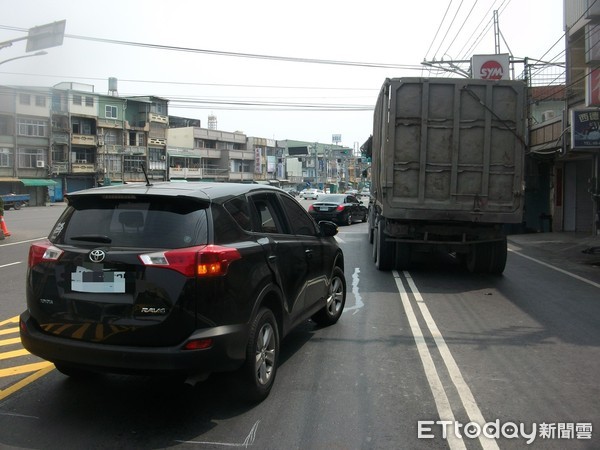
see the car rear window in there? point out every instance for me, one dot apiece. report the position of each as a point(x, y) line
point(335, 198)
point(145, 222)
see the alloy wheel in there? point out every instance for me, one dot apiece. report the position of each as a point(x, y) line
point(265, 354)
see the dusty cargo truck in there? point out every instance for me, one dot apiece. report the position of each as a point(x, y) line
point(447, 170)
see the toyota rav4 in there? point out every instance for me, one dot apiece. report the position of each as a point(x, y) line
point(188, 278)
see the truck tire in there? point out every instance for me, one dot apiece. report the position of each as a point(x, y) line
point(403, 255)
point(17, 205)
point(499, 253)
point(385, 251)
point(374, 242)
point(479, 258)
point(487, 257)
point(371, 220)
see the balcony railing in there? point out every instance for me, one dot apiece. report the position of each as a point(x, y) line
point(153, 117)
point(209, 153)
point(82, 168)
point(241, 154)
point(83, 139)
point(241, 176)
point(185, 172)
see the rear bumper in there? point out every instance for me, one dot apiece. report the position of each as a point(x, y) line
point(227, 353)
point(333, 216)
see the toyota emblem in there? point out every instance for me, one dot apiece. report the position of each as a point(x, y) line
point(97, 256)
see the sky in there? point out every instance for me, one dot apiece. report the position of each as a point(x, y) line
point(273, 69)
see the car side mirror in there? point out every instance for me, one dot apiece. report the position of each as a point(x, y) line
point(328, 228)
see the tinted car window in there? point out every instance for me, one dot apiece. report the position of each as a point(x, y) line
point(146, 223)
point(239, 210)
point(300, 221)
point(268, 219)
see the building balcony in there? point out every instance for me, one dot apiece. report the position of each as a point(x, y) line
point(84, 139)
point(241, 176)
point(60, 138)
point(153, 117)
point(134, 150)
point(209, 153)
point(546, 135)
point(81, 167)
point(115, 149)
point(110, 123)
point(137, 126)
point(241, 154)
point(185, 172)
point(157, 141)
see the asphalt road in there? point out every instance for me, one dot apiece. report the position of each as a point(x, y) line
point(431, 344)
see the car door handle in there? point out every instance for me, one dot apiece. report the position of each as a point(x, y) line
point(308, 253)
point(272, 258)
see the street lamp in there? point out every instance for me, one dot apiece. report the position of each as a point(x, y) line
point(40, 53)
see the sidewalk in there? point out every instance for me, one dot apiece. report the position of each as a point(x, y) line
point(561, 246)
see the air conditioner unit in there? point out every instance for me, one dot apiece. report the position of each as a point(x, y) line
point(547, 115)
point(40, 164)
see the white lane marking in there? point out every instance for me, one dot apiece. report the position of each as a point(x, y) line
point(558, 269)
point(18, 415)
point(23, 242)
point(358, 298)
point(248, 442)
point(435, 384)
point(10, 264)
point(464, 392)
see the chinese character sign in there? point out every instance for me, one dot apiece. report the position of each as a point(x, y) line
point(585, 129)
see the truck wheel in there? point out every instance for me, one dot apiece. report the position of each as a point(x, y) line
point(385, 250)
point(403, 253)
point(373, 239)
point(17, 205)
point(498, 259)
point(479, 258)
point(371, 220)
point(488, 257)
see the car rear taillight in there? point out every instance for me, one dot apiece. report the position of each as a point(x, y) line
point(340, 208)
point(205, 261)
point(198, 344)
point(311, 208)
point(43, 251)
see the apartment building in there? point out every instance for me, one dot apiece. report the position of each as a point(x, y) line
point(68, 138)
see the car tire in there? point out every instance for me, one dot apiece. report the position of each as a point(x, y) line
point(262, 357)
point(336, 300)
point(348, 220)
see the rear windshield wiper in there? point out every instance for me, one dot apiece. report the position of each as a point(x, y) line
point(92, 238)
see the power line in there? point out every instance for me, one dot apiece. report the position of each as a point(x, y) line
point(236, 54)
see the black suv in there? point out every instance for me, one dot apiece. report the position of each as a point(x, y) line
point(186, 278)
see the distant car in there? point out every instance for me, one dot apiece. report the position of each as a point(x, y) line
point(311, 194)
point(365, 192)
point(293, 192)
point(340, 208)
point(352, 192)
point(180, 278)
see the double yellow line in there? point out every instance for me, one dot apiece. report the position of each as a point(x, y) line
point(9, 337)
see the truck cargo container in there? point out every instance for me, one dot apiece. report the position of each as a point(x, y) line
point(447, 170)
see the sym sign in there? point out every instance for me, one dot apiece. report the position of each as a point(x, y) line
point(490, 67)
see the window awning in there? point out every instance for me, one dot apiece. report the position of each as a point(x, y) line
point(9, 180)
point(37, 182)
